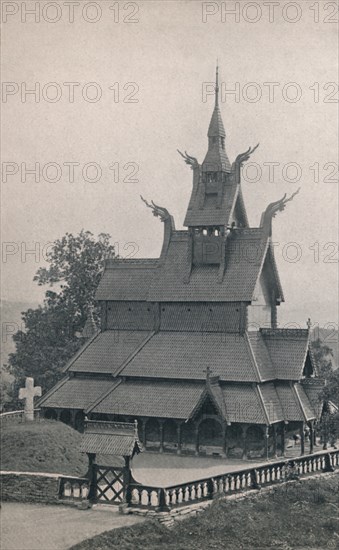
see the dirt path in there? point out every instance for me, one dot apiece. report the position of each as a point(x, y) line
point(39, 527)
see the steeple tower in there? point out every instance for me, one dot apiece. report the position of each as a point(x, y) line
point(216, 161)
point(216, 200)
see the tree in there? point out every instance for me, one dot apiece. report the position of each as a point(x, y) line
point(329, 423)
point(51, 334)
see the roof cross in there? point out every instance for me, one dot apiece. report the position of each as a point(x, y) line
point(208, 372)
point(28, 393)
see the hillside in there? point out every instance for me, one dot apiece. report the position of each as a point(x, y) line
point(45, 446)
point(294, 516)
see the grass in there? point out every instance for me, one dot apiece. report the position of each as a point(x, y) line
point(295, 516)
point(45, 446)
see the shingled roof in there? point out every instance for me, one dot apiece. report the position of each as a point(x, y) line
point(246, 250)
point(156, 398)
point(76, 393)
point(184, 355)
point(129, 279)
point(294, 402)
point(108, 351)
point(110, 438)
point(288, 349)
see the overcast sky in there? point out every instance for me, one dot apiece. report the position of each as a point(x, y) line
point(167, 51)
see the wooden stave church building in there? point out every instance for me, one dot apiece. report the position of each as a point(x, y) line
point(188, 344)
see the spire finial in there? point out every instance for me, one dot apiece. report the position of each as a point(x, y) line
point(217, 85)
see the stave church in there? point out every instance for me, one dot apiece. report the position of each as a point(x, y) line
point(189, 344)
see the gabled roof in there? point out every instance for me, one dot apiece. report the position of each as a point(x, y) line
point(110, 438)
point(288, 349)
point(197, 216)
point(245, 254)
point(108, 351)
point(313, 388)
point(294, 402)
point(76, 393)
point(156, 398)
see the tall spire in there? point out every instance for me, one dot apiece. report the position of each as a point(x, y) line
point(216, 158)
point(217, 86)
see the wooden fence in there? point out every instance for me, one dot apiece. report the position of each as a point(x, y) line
point(17, 416)
point(151, 497)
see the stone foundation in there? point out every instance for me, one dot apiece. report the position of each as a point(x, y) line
point(29, 487)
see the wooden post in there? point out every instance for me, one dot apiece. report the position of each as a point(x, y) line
point(283, 439)
point(91, 474)
point(302, 440)
point(225, 440)
point(267, 435)
point(210, 488)
point(179, 437)
point(161, 429)
point(163, 507)
point(274, 440)
point(127, 481)
point(196, 439)
point(311, 436)
point(328, 463)
point(143, 422)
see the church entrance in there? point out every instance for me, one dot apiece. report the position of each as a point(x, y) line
point(210, 437)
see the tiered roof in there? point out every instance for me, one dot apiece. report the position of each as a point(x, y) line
point(162, 372)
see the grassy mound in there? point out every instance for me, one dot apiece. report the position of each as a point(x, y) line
point(295, 515)
point(45, 446)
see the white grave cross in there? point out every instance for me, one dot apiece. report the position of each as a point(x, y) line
point(28, 393)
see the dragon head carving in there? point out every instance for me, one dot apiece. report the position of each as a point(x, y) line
point(243, 157)
point(192, 161)
point(272, 209)
point(158, 211)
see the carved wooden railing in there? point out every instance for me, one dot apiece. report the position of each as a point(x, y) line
point(73, 488)
point(165, 498)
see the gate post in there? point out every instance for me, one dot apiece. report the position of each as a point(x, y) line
point(163, 507)
point(127, 480)
point(91, 474)
point(328, 463)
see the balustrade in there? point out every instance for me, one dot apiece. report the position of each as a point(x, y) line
point(232, 482)
point(76, 488)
